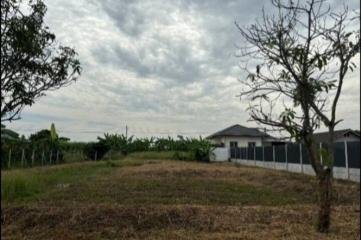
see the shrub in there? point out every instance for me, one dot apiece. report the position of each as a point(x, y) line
point(96, 151)
point(183, 156)
point(201, 151)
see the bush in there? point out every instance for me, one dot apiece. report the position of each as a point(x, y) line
point(201, 151)
point(183, 156)
point(96, 151)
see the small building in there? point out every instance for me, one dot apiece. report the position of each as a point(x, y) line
point(241, 136)
point(347, 135)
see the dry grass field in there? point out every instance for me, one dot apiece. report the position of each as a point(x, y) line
point(136, 198)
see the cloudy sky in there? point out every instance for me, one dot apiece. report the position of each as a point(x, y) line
point(160, 67)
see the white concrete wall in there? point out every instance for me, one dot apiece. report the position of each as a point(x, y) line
point(307, 169)
point(220, 155)
point(350, 138)
point(269, 164)
point(340, 173)
point(294, 167)
point(352, 174)
point(281, 166)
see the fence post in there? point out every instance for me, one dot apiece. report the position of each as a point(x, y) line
point(301, 158)
point(254, 155)
point(274, 157)
point(57, 156)
point(263, 155)
point(51, 156)
point(22, 157)
point(32, 157)
point(247, 157)
point(9, 161)
point(42, 158)
point(95, 157)
point(286, 156)
point(321, 158)
point(346, 161)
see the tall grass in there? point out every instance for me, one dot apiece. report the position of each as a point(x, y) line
point(22, 185)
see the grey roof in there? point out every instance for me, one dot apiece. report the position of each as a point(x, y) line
point(239, 131)
point(323, 136)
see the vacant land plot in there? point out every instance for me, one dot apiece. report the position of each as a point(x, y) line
point(137, 198)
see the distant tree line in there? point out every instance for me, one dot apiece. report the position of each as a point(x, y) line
point(198, 148)
point(47, 146)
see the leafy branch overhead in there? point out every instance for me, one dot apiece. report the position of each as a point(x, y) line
point(32, 61)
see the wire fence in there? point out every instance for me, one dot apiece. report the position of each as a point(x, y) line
point(27, 158)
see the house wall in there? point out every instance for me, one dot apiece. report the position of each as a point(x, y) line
point(242, 141)
point(350, 138)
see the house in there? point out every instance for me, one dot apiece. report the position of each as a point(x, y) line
point(348, 135)
point(241, 136)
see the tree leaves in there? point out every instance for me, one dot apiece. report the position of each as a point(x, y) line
point(31, 61)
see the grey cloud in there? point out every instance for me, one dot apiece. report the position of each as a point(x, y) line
point(166, 65)
point(178, 63)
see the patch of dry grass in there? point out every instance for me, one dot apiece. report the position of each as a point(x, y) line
point(177, 222)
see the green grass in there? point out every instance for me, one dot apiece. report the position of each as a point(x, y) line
point(164, 155)
point(165, 183)
point(22, 185)
point(29, 184)
point(19, 185)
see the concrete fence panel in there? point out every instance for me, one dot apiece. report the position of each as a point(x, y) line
point(295, 158)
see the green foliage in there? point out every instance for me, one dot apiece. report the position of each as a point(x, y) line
point(42, 135)
point(32, 62)
point(41, 148)
point(44, 149)
point(117, 142)
point(8, 133)
point(182, 156)
point(153, 155)
point(53, 134)
point(199, 149)
point(66, 145)
point(96, 151)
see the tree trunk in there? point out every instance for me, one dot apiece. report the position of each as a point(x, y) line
point(325, 190)
point(324, 177)
point(325, 185)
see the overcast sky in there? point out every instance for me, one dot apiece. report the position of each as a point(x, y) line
point(160, 67)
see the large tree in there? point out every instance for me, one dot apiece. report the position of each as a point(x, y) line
point(32, 62)
point(296, 61)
